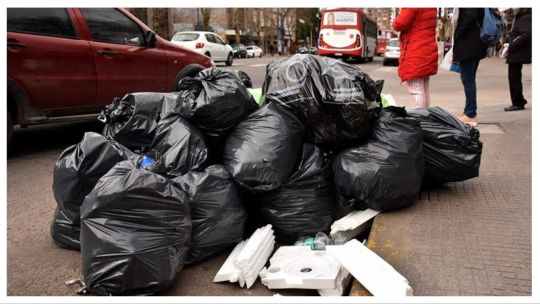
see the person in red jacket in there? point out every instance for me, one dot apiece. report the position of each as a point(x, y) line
point(418, 57)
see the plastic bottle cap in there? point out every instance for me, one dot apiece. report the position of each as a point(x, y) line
point(147, 162)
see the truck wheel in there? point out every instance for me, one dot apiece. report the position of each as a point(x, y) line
point(189, 71)
point(9, 127)
point(229, 60)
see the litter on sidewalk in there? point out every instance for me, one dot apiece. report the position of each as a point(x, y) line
point(248, 258)
point(351, 225)
point(300, 267)
point(379, 277)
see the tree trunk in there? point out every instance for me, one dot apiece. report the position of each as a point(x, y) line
point(206, 16)
point(160, 22)
point(140, 13)
point(235, 25)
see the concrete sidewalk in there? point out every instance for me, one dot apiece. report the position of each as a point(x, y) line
point(469, 238)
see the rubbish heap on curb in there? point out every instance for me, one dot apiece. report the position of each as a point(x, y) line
point(178, 177)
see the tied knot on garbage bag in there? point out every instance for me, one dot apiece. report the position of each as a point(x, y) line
point(216, 100)
point(132, 121)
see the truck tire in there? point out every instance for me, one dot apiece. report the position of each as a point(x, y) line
point(189, 71)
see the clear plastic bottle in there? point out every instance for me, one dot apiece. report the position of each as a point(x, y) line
point(318, 242)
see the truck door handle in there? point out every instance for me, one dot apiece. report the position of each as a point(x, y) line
point(106, 52)
point(15, 44)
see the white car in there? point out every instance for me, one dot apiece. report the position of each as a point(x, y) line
point(392, 51)
point(206, 43)
point(254, 51)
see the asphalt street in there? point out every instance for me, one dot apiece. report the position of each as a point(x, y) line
point(35, 266)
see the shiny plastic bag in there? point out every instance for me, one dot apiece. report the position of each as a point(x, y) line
point(215, 100)
point(261, 152)
point(246, 80)
point(386, 172)
point(76, 172)
point(132, 121)
point(452, 149)
point(181, 145)
point(304, 205)
point(330, 97)
point(217, 213)
point(135, 231)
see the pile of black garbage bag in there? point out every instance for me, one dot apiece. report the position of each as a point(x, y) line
point(178, 177)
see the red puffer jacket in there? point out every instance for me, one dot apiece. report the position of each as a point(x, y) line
point(418, 49)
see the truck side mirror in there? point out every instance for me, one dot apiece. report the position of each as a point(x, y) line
point(150, 38)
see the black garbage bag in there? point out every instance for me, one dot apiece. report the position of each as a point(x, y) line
point(135, 231)
point(330, 97)
point(261, 152)
point(181, 145)
point(452, 149)
point(386, 172)
point(217, 214)
point(304, 205)
point(132, 120)
point(76, 172)
point(246, 80)
point(215, 100)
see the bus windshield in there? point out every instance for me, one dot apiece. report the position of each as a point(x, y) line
point(337, 18)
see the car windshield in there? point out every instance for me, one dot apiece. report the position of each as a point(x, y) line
point(393, 43)
point(185, 37)
point(249, 48)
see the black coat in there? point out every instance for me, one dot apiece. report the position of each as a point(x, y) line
point(520, 42)
point(467, 42)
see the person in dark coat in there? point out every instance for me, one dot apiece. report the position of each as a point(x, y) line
point(468, 51)
point(519, 52)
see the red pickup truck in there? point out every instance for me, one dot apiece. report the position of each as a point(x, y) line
point(65, 64)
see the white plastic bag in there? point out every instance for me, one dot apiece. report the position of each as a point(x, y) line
point(504, 50)
point(449, 64)
point(447, 60)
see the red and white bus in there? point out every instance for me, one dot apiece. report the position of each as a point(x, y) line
point(347, 33)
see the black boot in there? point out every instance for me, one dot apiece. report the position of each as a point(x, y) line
point(514, 108)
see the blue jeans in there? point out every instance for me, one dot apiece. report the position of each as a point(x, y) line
point(468, 78)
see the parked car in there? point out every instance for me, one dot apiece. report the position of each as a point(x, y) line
point(240, 50)
point(254, 51)
point(302, 50)
point(65, 64)
point(381, 46)
point(391, 55)
point(206, 43)
point(313, 50)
